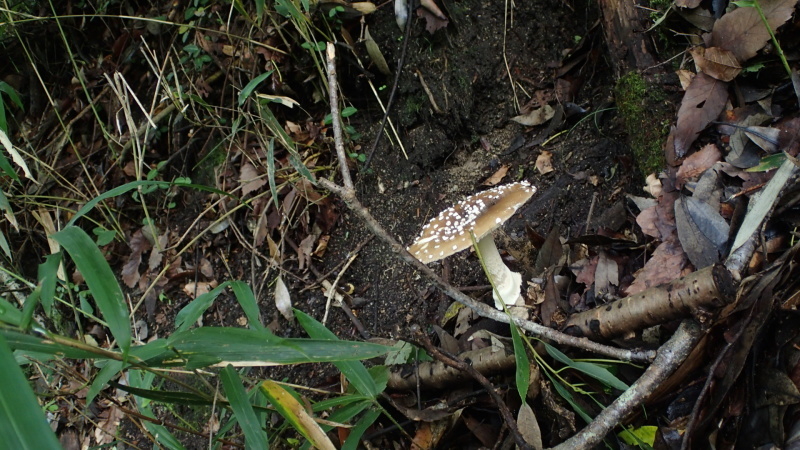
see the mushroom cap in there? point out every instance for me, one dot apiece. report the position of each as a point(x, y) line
point(449, 232)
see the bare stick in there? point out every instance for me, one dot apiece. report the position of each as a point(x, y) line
point(670, 356)
point(333, 93)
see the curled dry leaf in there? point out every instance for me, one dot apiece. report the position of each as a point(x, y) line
point(666, 264)
point(544, 163)
point(717, 62)
point(702, 103)
point(653, 186)
point(697, 163)
point(130, 270)
point(249, 179)
point(537, 116)
point(685, 77)
point(195, 290)
point(742, 31)
point(497, 176)
point(432, 21)
point(702, 231)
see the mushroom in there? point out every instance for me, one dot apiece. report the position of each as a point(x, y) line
point(449, 233)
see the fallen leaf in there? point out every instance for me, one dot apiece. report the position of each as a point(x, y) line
point(697, 163)
point(497, 176)
point(432, 22)
point(702, 103)
point(199, 288)
point(765, 137)
point(717, 62)
point(666, 264)
point(702, 231)
point(537, 116)
point(544, 162)
point(130, 270)
point(249, 179)
point(742, 31)
point(687, 3)
point(283, 301)
point(584, 271)
point(529, 426)
point(685, 77)
point(606, 275)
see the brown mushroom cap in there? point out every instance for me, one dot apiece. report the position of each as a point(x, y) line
point(449, 232)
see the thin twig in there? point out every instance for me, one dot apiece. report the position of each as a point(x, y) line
point(456, 363)
point(333, 93)
point(670, 356)
point(400, 62)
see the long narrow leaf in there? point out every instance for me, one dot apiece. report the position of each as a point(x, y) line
point(593, 370)
point(208, 346)
point(244, 295)
point(22, 423)
point(523, 372)
point(111, 369)
point(101, 281)
point(254, 435)
point(358, 430)
point(187, 316)
point(296, 415)
point(354, 371)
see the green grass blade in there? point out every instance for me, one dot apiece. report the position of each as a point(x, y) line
point(111, 369)
point(593, 370)
point(354, 371)
point(244, 295)
point(207, 346)
point(22, 422)
point(187, 316)
point(101, 281)
point(248, 89)
point(27, 343)
point(48, 275)
point(9, 313)
point(273, 189)
point(523, 372)
point(360, 427)
point(254, 435)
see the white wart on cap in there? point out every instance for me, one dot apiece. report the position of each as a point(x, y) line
point(449, 232)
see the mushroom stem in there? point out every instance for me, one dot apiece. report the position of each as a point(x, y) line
point(507, 283)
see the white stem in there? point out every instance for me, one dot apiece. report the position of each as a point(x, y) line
point(507, 283)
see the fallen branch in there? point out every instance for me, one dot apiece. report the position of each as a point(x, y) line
point(711, 287)
point(348, 195)
point(461, 365)
point(669, 357)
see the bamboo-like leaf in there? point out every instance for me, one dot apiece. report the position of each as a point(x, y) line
point(271, 172)
point(593, 370)
point(9, 313)
point(22, 423)
point(354, 371)
point(360, 427)
point(101, 281)
point(523, 372)
point(111, 369)
point(162, 434)
point(207, 346)
point(189, 314)
point(248, 89)
point(254, 435)
point(296, 415)
point(244, 295)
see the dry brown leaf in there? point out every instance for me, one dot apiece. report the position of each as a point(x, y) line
point(702, 103)
point(743, 32)
point(584, 271)
point(687, 3)
point(156, 255)
point(666, 264)
point(685, 77)
point(697, 163)
point(544, 162)
point(432, 22)
point(199, 288)
point(717, 62)
point(606, 275)
point(130, 270)
point(647, 222)
point(537, 116)
point(497, 176)
point(249, 179)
